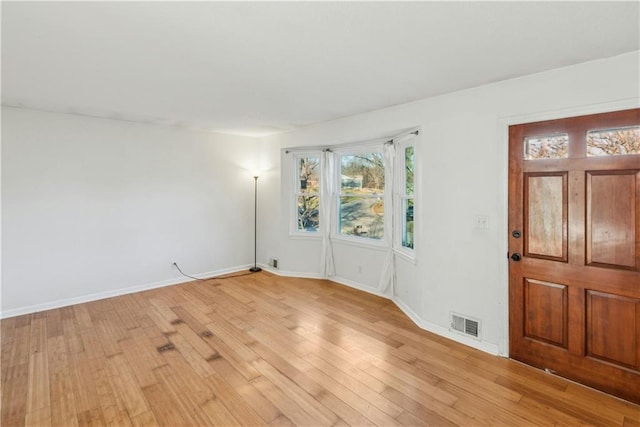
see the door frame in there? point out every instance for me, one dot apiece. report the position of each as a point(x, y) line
point(503, 131)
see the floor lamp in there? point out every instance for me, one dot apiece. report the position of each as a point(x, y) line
point(255, 267)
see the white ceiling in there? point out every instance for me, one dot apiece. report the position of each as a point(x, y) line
point(265, 67)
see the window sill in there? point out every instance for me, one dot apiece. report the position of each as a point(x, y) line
point(305, 236)
point(372, 244)
point(406, 255)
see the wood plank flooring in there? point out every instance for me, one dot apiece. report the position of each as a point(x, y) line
point(266, 350)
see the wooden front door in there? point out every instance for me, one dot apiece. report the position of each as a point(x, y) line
point(574, 249)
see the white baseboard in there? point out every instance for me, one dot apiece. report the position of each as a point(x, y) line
point(114, 293)
point(340, 280)
point(436, 329)
point(356, 285)
point(427, 326)
point(445, 332)
point(291, 273)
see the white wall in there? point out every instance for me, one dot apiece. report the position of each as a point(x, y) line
point(462, 157)
point(94, 207)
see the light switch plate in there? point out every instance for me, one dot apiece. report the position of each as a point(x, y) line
point(481, 222)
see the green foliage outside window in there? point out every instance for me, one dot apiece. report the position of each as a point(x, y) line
point(308, 201)
point(362, 195)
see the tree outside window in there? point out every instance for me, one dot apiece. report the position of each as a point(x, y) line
point(614, 142)
point(361, 200)
point(307, 193)
point(406, 197)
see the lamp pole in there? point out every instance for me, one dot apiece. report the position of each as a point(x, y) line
point(255, 267)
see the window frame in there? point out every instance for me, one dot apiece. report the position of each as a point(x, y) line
point(297, 192)
point(400, 195)
point(348, 150)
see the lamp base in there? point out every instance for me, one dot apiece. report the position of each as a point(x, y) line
point(255, 269)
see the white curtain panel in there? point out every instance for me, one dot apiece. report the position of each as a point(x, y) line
point(394, 162)
point(388, 277)
point(327, 204)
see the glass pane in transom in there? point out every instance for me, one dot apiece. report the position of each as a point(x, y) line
point(613, 142)
point(546, 147)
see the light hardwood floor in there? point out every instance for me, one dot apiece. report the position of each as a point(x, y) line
point(261, 349)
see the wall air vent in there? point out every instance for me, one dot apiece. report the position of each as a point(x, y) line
point(465, 325)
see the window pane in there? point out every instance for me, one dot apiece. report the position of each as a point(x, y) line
point(308, 170)
point(308, 213)
point(408, 168)
point(613, 142)
point(362, 173)
point(546, 147)
point(362, 216)
point(407, 223)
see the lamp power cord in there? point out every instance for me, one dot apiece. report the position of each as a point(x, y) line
point(175, 264)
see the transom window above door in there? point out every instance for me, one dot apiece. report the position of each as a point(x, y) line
point(618, 141)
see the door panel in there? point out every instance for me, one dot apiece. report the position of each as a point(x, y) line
point(611, 219)
point(545, 201)
point(545, 305)
point(574, 294)
point(607, 341)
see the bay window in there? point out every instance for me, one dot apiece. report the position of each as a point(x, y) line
point(362, 193)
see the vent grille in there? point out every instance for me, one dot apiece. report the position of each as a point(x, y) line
point(465, 325)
